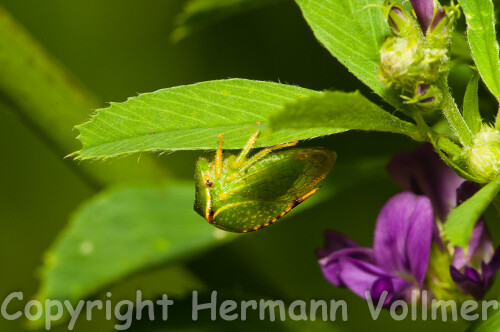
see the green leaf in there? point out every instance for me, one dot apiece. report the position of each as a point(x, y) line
point(492, 324)
point(459, 48)
point(353, 32)
point(340, 110)
point(480, 16)
point(471, 105)
point(121, 232)
point(200, 14)
point(190, 117)
point(458, 227)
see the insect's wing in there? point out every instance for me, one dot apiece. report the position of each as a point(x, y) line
point(248, 216)
point(286, 175)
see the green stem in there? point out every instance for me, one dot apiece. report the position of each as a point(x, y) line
point(48, 100)
point(453, 115)
point(449, 147)
point(429, 135)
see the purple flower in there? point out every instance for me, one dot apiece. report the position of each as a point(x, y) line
point(406, 228)
point(399, 258)
point(423, 172)
point(470, 272)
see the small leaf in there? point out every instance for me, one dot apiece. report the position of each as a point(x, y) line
point(123, 231)
point(471, 105)
point(190, 117)
point(340, 110)
point(441, 146)
point(459, 48)
point(200, 14)
point(353, 32)
point(480, 16)
point(458, 227)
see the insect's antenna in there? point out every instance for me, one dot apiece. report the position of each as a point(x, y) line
point(218, 158)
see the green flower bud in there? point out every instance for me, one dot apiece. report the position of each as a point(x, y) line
point(483, 158)
point(439, 33)
point(405, 62)
point(428, 98)
point(401, 23)
point(417, 56)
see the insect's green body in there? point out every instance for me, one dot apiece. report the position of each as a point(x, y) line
point(242, 195)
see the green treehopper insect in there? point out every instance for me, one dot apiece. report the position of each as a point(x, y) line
point(241, 194)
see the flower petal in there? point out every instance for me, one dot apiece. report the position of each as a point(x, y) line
point(472, 274)
point(480, 248)
point(467, 284)
point(424, 9)
point(419, 239)
point(424, 173)
point(489, 270)
point(330, 265)
point(440, 14)
point(360, 276)
point(380, 286)
point(331, 271)
point(335, 241)
point(403, 235)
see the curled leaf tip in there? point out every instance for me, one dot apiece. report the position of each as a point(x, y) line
point(72, 154)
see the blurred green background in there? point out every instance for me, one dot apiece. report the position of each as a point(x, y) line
point(118, 48)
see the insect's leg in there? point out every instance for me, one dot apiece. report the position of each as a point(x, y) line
point(259, 156)
point(246, 149)
point(267, 150)
point(218, 158)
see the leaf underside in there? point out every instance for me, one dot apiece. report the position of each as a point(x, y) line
point(340, 110)
point(458, 227)
point(95, 249)
point(190, 118)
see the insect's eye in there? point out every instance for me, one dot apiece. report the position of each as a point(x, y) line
point(209, 183)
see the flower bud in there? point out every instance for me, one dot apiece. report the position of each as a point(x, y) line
point(428, 98)
point(401, 23)
point(483, 157)
point(439, 33)
point(406, 62)
point(397, 18)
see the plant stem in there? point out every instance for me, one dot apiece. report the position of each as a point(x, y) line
point(453, 115)
point(51, 102)
point(428, 134)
